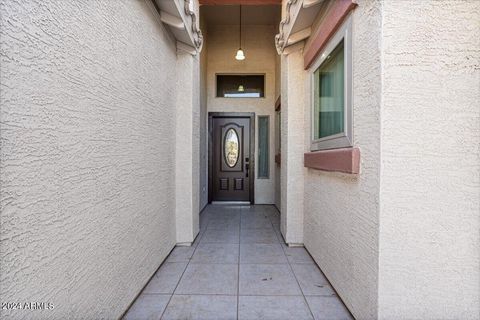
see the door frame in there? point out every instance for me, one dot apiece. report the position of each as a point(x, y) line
point(251, 116)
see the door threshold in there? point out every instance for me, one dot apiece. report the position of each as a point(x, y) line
point(244, 203)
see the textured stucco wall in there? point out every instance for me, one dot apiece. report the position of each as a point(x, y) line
point(203, 117)
point(430, 184)
point(292, 138)
point(260, 55)
point(187, 148)
point(341, 210)
point(277, 118)
point(87, 160)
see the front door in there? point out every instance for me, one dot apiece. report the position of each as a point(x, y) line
point(231, 158)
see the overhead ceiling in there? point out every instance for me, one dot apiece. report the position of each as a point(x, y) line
point(251, 15)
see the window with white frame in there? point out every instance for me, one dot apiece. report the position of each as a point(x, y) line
point(331, 81)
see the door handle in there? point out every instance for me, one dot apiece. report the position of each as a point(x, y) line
point(247, 167)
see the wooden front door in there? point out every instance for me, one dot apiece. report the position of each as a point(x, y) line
point(231, 164)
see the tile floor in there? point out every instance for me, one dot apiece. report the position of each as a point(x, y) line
point(238, 268)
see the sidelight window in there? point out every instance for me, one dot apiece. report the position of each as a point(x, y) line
point(332, 93)
point(263, 147)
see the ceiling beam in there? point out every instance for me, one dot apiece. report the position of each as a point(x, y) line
point(242, 2)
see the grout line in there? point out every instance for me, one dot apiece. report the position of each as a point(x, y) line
point(242, 295)
point(295, 276)
point(141, 292)
point(265, 263)
point(219, 243)
point(186, 267)
point(238, 267)
point(335, 295)
point(216, 263)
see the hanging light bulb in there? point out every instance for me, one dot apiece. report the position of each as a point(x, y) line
point(240, 55)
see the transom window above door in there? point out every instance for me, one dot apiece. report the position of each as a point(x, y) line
point(240, 85)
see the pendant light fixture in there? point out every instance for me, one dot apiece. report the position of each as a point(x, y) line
point(240, 55)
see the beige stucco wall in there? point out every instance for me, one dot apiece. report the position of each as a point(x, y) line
point(187, 148)
point(292, 138)
point(260, 55)
point(430, 185)
point(400, 240)
point(87, 160)
point(341, 211)
point(203, 118)
point(277, 118)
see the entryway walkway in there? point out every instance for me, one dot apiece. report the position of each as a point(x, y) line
point(238, 268)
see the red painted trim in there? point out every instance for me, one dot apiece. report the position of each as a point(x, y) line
point(278, 104)
point(242, 2)
point(343, 160)
point(333, 19)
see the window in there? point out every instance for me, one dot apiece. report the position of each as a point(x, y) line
point(263, 146)
point(279, 131)
point(240, 86)
point(329, 86)
point(231, 148)
point(332, 93)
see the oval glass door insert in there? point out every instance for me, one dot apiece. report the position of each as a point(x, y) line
point(231, 148)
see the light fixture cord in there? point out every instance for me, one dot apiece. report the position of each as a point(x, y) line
point(240, 26)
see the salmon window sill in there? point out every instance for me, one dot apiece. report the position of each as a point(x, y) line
point(345, 160)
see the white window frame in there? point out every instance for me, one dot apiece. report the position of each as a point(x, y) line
point(345, 138)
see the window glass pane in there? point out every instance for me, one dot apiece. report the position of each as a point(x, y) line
point(231, 148)
point(279, 131)
point(240, 86)
point(329, 95)
point(263, 145)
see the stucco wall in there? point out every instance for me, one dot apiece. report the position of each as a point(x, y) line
point(203, 118)
point(292, 138)
point(342, 211)
point(277, 118)
point(187, 150)
point(260, 55)
point(87, 159)
point(430, 185)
